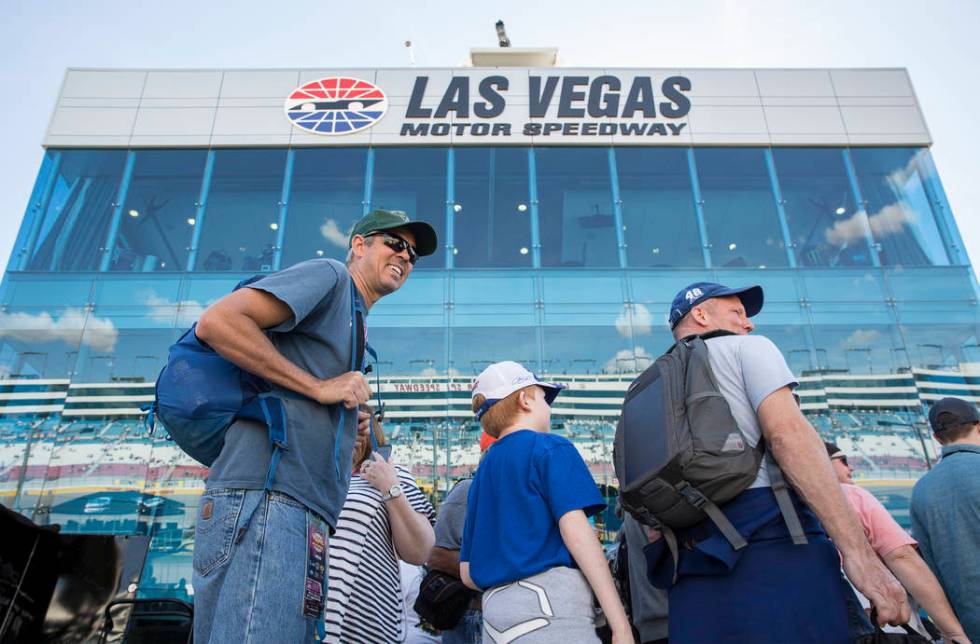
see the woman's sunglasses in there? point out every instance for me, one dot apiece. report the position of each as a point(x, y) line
point(842, 459)
point(397, 244)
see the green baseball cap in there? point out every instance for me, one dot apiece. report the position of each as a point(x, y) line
point(426, 241)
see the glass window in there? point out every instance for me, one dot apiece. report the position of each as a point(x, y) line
point(940, 335)
point(659, 222)
point(125, 346)
point(474, 348)
point(899, 211)
point(492, 221)
point(739, 209)
point(575, 207)
point(153, 231)
point(324, 202)
point(925, 284)
point(820, 207)
point(39, 342)
point(242, 217)
point(855, 339)
point(413, 180)
point(72, 232)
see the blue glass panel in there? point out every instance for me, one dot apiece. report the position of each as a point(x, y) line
point(409, 351)
point(899, 211)
point(40, 342)
point(45, 290)
point(163, 191)
point(241, 219)
point(852, 338)
point(659, 221)
point(739, 208)
point(125, 346)
point(74, 225)
point(40, 194)
point(844, 286)
point(931, 284)
point(473, 348)
point(137, 293)
point(941, 335)
point(325, 201)
point(582, 286)
point(413, 180)
point(820, 207)
point(492, 217)
point(575, 206)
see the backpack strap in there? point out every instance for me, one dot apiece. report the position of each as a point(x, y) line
point(694, 496)
point(353, 367)
point(781, 490)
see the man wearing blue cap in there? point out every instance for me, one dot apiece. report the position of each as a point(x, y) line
point(260, 559)
point(772, 590)
point(945, 509)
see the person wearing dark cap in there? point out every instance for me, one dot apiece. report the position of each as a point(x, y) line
point(294, 329)
point(897, 550)
point(793, 592)
point(945, 509)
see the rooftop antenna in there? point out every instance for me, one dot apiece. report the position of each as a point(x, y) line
point(411, 52)
point(502, 35)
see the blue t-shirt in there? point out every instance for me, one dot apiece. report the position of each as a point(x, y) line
point(525, 484)
point(318, 339)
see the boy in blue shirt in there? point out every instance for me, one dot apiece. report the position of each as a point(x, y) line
point(527, 541)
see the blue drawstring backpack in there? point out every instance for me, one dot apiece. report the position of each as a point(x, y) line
point(199, 394)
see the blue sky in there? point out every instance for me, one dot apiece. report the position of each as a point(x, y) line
point(936, 41)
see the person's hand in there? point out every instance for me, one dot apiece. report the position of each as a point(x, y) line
point(379, 473)
point(349, 388)
point(363, 429)
point(869, 575)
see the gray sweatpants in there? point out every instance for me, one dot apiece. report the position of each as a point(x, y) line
point(552, 606)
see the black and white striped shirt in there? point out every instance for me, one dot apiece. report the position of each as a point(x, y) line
point(364, 597)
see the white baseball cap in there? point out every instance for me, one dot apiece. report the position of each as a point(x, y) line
point(501, 379)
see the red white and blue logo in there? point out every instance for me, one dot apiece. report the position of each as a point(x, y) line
point(336, 105)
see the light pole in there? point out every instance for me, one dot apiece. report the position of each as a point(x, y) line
point(918, 433)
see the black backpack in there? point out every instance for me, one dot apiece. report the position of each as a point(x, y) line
point(679, 453)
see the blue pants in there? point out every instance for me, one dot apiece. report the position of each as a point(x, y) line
point(250, 591)
point(469, 630)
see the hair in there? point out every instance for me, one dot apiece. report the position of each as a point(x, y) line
point(362, 454)
point(953, 433)
point(350, 250)
point(503, 413)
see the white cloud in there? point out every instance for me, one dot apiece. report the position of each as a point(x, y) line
point(161, 310)
point(889, 220)
point(332, 233)
point(629, 361)
point(99, 333)
point(861, 339)
point(642, 320)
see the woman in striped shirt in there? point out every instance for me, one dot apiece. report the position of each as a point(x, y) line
point(385, 518)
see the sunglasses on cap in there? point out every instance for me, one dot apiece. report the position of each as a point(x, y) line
point(397, 244)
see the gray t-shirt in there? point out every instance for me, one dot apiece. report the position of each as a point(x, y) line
point(318, 339)
point(749, 368)
point(452, 516)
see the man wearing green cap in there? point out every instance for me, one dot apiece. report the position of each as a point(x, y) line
point(264, 580)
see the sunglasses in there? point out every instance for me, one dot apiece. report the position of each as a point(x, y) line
point(842, 459)
point(397, 244)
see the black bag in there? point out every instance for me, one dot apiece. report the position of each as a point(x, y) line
point(442, 599)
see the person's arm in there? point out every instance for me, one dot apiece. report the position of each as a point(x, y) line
point(233, 326)
point(584, 547)
point(464, 575)
point(411, 532)
point(445, 560)
point(915, 575)
point(797, 448)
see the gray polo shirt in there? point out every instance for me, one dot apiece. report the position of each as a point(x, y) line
point(452, 516)
point(318, 339)
point(749, 368)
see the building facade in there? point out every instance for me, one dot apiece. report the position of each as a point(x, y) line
point(571, 205)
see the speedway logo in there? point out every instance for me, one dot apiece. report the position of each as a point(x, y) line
point(336, 105)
